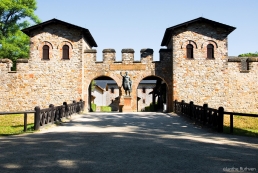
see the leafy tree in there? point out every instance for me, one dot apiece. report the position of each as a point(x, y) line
point(249, 54)
point(92, 85)
point(13, 14)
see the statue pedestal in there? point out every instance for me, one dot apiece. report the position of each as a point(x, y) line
point(127, 104)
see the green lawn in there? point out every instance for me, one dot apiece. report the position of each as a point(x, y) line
point(14, 124)
point(246, 126)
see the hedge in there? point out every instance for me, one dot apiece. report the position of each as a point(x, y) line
point(93, 107)
point(105, 109)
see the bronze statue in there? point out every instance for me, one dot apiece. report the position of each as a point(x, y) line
point(127, 83)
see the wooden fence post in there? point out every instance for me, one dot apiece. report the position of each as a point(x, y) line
point(61, 112)
point(52, 113)
point(191, 109)
point(37, 118)
point(66, 109)
point(231, 123)
point(25, 122)
point(220, 119)
point(182, 106)
point(82, 105)
point(204, 113)
point(175, 107)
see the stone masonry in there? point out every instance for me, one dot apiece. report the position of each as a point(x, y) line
point(137, 70)
point(218, 81)
point(225, 81)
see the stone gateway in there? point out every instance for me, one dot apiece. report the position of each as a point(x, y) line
point(195, 66)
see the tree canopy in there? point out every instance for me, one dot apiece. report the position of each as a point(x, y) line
point(249, 55)
point(14, 16)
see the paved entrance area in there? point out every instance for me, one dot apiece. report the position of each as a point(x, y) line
point(128, 142)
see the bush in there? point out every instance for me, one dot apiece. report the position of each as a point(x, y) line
point(93, 107)
point(249, 55)
point(147, 109)
point(151, 108)
point(105, 108)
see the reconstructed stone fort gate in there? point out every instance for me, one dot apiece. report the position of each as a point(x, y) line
point(195, 67)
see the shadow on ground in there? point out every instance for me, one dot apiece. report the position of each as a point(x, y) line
point(132, 142)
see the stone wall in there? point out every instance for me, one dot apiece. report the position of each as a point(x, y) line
point(137, 70)
point(225, 81)
point(200, 79)
point(242, 90)
point(39, 82)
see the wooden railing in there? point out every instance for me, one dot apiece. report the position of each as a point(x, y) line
point(231, 118)
point(25, 113)
point(51, 114)
point(207, 116)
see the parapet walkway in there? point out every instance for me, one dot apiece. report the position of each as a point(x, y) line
point(127, 142)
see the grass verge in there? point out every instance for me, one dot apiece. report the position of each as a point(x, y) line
point(244, 126)
point(14, 124)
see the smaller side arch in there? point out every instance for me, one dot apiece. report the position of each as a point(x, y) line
point(157, 93)
point(105, 93)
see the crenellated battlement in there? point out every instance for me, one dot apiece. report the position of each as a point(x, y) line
point(195, 66)
point(146, 56)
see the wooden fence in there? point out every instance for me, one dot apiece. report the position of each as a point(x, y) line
point(51, 114)
point(210, 117)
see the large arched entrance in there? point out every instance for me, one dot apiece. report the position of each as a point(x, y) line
point(152, 95)
point(103, 95)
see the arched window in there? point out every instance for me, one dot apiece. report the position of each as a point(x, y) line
point(65, 52)
point(143, 90)
point(189, 51)
point(45, 52)
point(210, 51)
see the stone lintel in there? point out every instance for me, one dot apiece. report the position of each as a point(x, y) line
point(108, 51)
point(22, 60)
point(127, 51)
point(5, 60)
point(90, 51)
point(239, 59)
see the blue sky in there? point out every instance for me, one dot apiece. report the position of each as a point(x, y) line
point(138, 24)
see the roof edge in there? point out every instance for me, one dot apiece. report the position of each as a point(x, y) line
point(85, 31)
point(169, 31)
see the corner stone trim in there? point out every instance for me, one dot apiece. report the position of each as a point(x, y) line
point(22, 60)
point(90, 51)
point(127, 51)
point(108, 51)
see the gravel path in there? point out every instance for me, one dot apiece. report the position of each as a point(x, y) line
point(128, 142)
